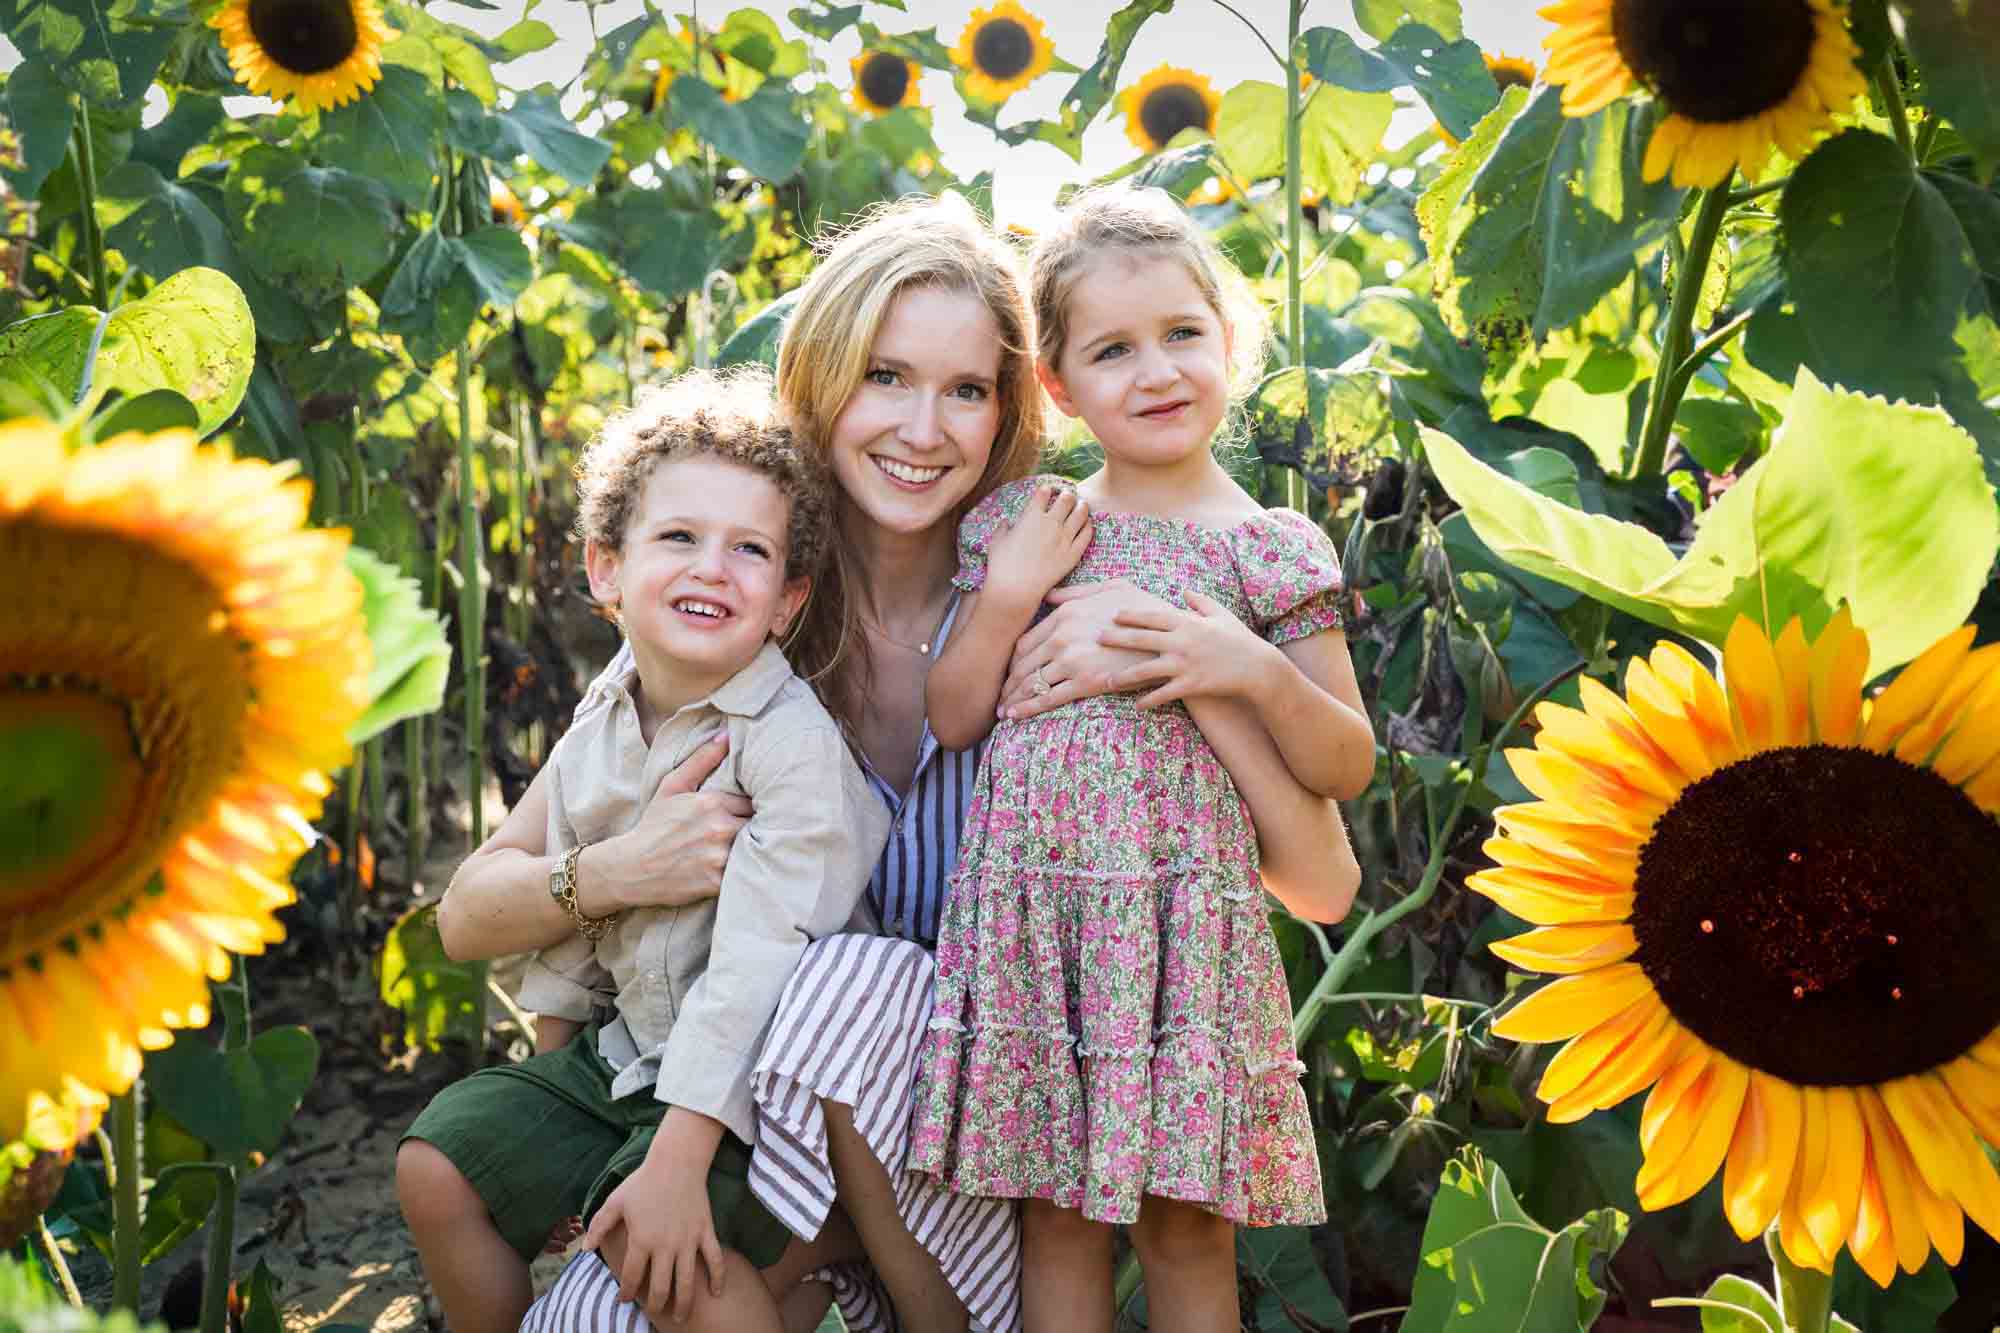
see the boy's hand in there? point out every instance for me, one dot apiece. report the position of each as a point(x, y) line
point(669, 1231)
point(1042, 544)
point(1204, 650)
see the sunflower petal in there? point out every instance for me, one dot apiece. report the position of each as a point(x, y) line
point(1910, 696)
point(1838, 669)
point(1695, 1141)
point(1757, 701)
point(1762, 1155)
point(1564, 949)
point(1588, 1051)
point(1573, 1004)
point(1827, 1204)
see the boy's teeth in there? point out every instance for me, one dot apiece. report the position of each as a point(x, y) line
point(701, 609)
point(904, 472)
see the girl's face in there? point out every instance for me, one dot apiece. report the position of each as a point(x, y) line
point(1146, 364)
point(914, 436)
point(700, 582)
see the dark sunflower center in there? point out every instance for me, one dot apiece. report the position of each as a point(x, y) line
point(1002, 49)
point(1507, 77)
point(1171, 108)
point(885, 79)
point(1716, 61)
point(305, 36)
point(1826, 915)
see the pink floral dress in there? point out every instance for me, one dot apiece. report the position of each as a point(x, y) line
point(1111, 1018)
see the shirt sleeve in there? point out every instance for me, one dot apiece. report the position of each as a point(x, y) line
point(1291, 576)
point(565, 981)
point(794, 874)
point(985, 521)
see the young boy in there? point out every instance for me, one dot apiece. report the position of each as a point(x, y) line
point(704, 525)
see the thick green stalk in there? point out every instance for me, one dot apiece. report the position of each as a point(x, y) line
point(1670, 379)
point(416, 813)
point(221, 1249)
point(471, 606)
point(128, 1166)
point(1805, 1295)
point(1295, 311)
point(1890, 89)
point(86, 184)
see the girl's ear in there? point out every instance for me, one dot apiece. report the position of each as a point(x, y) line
point(602, 563)
point(1052, 383)
point(796, 593)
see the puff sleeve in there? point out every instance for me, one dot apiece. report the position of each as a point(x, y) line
point(987, 520)
point(1291, 576)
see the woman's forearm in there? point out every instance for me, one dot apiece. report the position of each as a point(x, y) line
point(498, 903)
point(1302, 842)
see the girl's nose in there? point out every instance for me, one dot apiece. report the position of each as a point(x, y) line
point(1157, 369)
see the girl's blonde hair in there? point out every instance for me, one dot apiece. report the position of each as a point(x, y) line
point(1133, 221)
point(825, 352)
point(732, 415)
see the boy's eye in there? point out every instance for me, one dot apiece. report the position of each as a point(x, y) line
point(677, 535)
point(757, 549)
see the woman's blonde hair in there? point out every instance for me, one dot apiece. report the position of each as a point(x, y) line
point(825, 352)
point(1130, 221)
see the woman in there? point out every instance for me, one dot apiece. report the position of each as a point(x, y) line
point(910, 361)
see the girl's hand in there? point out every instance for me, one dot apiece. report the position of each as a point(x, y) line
point(675, 854)
point(1042, 544)
point(1065, 649)
point(1203, 650)
point(668, 1234)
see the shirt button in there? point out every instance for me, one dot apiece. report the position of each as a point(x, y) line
point(653, 976)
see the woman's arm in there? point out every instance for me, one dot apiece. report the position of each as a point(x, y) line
point(498, 901)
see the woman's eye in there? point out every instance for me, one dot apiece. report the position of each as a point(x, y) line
point(971, 393)
point(882, 376)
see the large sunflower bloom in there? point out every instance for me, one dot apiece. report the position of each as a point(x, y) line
point(1735, 77)
point(1164, 103)
point(178, 672)
point(1773, 904)
point(883, 81)
point(320, 53)
point(1002, 51)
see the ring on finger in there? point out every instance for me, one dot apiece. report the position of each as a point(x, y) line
point(1039, 682)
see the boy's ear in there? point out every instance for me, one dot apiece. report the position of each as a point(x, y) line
point(795, 596)
point(601, 563)
point(1052, 383)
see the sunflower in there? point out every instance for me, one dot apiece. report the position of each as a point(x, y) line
point(321, 53)
point(1772, 903)
point(1735, 77)
point(1166, 102)
point(504, 206)
point(883, 81)
point(1002, 51)
point(174, 689)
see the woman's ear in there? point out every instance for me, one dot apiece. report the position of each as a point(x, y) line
point(601, 563)
point(1053, 385)
point(797, 592)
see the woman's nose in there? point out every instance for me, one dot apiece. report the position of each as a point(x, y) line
point(921, 427)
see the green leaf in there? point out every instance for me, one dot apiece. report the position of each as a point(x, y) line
point(39, 110)
point(764, 132)
point(1328, 425)
point(315, 231)
point(1718, 432)
point(1735, 1304)
point(107, 50)
point(44, 356)
point(160, 225)
point(1339, 133)
point(1451, 76)
point(1957, 45)
point(426, 267)
point(1911, 1300)
point(387, 133)
point(498, 263)
point(685, 247)
point(537, 125)
point(525, 38)
point(148, 413)
point(412, 655)
point(192, 334)
point(235, 1101)
point(1880, 266)
point(1380, 18)
point(440, 999)
point(1250, 129)
point(1290, 1287)
point(757, 339)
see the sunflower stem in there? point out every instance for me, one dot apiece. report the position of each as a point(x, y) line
point(86, 185)
point(221, 1247)
point(471, 606)
point(1805, 1295)
point(57, 1262)
point(1295, 310)
point(127, 1167)
point(1890, 89)
point(1669, 383)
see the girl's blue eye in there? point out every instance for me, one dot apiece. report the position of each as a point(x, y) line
point(1105, 353)
point(1190, 330)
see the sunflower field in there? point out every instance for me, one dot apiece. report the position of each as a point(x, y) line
point(1650, 389)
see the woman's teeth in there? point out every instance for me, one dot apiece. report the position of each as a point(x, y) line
point(702, 609)
point(916, 476)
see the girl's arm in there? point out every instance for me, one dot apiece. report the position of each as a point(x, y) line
point(1025, 560)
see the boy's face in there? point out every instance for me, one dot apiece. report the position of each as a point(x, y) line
point(700, 583)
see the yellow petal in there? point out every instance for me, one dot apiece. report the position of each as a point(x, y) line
point(1873, 1240)
point(1657, 1048)
point(1574, 1004)
point(1548, 900)
point(1757, 700)
point(1666, 718)
point(1910, 696)
point(1898, 1177)
point(1838, 669)
point(1588, 741)
point(1666, 1095)
point(1937, 1137)
point(1762, 1155)
point(1975, 1088)
point(1616, 716)
point(1565, 949)
point(1587, 1052)
point(1975, 738)
point(1921, 741)
point(1570, 785)
point(1676, 1167)
point(1579, 847)
point(1827, 1204)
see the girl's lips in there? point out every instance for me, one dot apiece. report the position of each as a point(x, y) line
point(1166, 411)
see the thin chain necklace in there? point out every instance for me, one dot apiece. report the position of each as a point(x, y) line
point(924, 648)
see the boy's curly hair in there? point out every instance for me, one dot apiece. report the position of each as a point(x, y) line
point(731, 415)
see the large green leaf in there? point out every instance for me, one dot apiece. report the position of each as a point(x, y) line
point(758, 338)
point(38, 109)
point(1451, 76)
point(1380, 18)
point(43, 357)
point(108, 50)
point(684, 248)
point(412, 657)
point(1287, 1279)
point(192, 334)
point(1339, 134)
point(1957, 45)
point(1882, 506)
point(440, 999)
point(1326, 424)
point(387, 134)
point(1880, 265)
point(236, 1101)
point(764, 132)
point(315, 231)
point(498, 264)
point(161, 225)
point(533, 127)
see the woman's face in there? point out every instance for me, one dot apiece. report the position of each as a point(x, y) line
point(914, 436)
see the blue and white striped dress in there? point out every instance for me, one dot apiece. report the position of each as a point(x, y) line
point(848, 1029)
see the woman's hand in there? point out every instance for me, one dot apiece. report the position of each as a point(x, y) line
point(675, 854)
point(1065, 648)
point(1043, 543)
point(1204, 650)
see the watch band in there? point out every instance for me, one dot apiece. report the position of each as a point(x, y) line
point(562, 888)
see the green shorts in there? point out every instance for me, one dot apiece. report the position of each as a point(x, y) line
point(543, 1140)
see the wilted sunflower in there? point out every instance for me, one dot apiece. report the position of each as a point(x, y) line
point(1774, 905)
point(179, 666)
point(320, 53)
point(1002, 51)
point(1734, 77)
point(1166, 102)
point(883, 81)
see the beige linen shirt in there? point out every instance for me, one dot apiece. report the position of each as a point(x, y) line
point(695, 986)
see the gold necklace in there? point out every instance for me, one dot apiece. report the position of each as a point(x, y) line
point(924, 648)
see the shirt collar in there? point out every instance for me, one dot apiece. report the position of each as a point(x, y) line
point(745, 694)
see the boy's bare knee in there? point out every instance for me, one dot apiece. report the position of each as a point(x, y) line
point(430, 1187)
point(1174, 1233)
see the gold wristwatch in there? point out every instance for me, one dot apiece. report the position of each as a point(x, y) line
point(562, 888)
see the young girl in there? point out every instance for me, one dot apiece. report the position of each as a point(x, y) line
point(1111, 1040)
